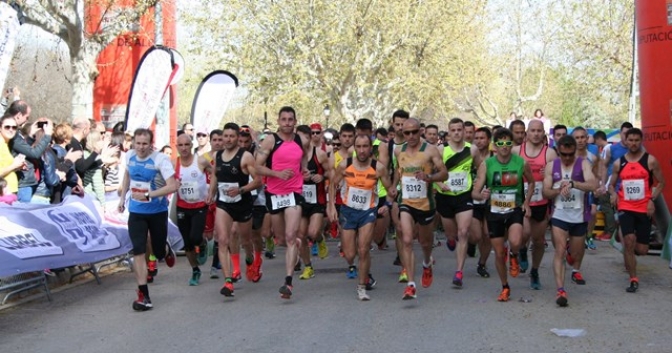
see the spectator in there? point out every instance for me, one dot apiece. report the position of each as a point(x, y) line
point(81, 127)
point(114, 169)
point(167, 151)
point(50, 177)
point(6, 196)
point(66, 162)
point(93, 181)
point(8, 163)
point(119, 127)
point(14, 92)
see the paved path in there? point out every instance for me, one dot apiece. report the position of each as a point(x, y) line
point(325, 316)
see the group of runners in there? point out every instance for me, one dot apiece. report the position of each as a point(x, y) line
point(490, 189)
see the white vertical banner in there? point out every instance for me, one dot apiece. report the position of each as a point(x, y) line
point(212, 100)
point(162, 127)
point(9, 28)
point(154, 74)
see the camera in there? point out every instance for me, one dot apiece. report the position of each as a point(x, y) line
point(40, 124)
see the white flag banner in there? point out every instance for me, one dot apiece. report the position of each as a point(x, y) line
point(37, 237)
point(152, 78)
point(9, 28)
point(212, 100)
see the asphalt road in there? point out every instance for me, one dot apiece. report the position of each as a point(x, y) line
point(324, 314)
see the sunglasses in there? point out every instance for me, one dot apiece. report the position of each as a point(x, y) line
point(11, 127)
point(336, 144)
point(316, 132)
point(504, 143)
point(201, 135)
point(411, 132)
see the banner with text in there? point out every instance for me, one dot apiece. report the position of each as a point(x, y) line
point(38, 237)
point(212, 100)
point(9, 28)
point(152, 78)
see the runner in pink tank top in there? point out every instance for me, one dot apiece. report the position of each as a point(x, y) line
point(280, 159)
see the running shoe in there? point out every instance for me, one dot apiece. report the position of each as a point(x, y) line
point(227, 289)
point(409, 293)
point(514, 268)
point(534, 280)
point(170, 256)
point(451, 244)
point(482, 271)
point(313, 249)
point(214, 273)
point(195, 278)
point(257, 273)
point(471, 250)
point(361, 293)
point(236, 277)
point(151, 268)
point(577, 278)
point(569, 258)
point(397, 261)
point(270, 248)
point(604, 237)
point(297, 267)
point(590, 244)
point(524, 263)
point(561, 298)
point(352, 272)
point(269, 254)
point(634, 285)
point(202, 253)
point(142, 303)
point(504, 295)
point(457, 279)
point(286, 291)
point(308, 273)
point(150, 279)
point(249, 272)
point(370, 283)
point(427, 276)
point(322, 249)
point(403, 276)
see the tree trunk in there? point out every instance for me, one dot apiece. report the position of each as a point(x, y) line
point(84, 71)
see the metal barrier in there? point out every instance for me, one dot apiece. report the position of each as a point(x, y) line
point(23, 282)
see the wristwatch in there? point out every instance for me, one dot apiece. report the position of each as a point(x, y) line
point(147, 196)
point(571, 183)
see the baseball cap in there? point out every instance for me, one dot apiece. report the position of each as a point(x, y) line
point(316, 126)
point(203, 131)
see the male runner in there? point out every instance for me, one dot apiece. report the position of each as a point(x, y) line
point(536, 154)
point(358, 178)
point(281, 158)
point(517, 128)
point(231, 187)
point(568, 180)
point(479, 227)
point(634, 173)
point(500, 178)
point(315, 199)
point(148, 207)
point(346, 136)
point(416, 160)
point(469, 131)
point(453, 197)
point(581, 136)
point(216, 144)
point(191, 171)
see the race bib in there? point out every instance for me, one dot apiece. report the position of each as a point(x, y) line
point(254, 192)
point(188, 191)
point(282, 201)
point(223, 196)
point(502, 203)
point(413, 188)
point(536, 196)
point(141, 187)
point(359, 199)
point(572, 202)
point(457, 181)
point(310, 193)
point(633, 190)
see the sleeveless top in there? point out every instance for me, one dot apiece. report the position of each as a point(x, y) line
point(505, 182)
point(315, 193)
point(537, 165)
point(359, 188)
point(459, 166)
point(636, 182)
point(415, 193)
point(230, 175)
point(285, 155)
point(574, 208)
point(376, 153)
point(193, 185)
point(474, 172)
